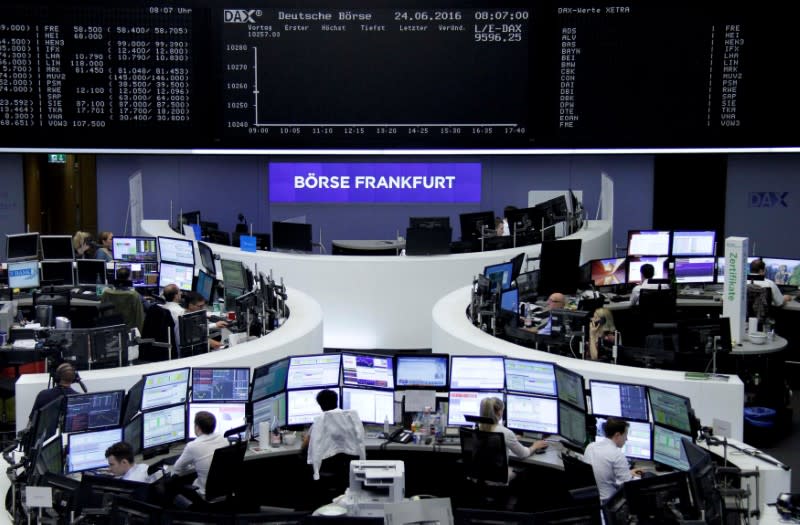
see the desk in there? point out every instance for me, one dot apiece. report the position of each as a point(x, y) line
point(384, 302)
point(366, 247)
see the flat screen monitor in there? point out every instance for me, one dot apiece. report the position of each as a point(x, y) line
point(569, 323)
point(635, 268)
point(499, 275)
point(608, 272)
point(648, 243)
point(531, 413)
point(721, 268)
point(87, 450)
point(207, 258)
point(367, 370)
point(422, 371)
point(372, 405)
point(180, 251)
point(640, 439)
point(782, 271)
point(205, 286)
point(291, 236)
point(141, 274)
point(474, 225)
point(191, 217)
point(700, 336)
point(308, 371)
point(530, 377)
point(302, 406)
point(619, 400)
point(22, 246)
point(180, 274)
point(668, 448)
point(93, 411)
point(48, 420)
point(698, 270)
point(466, 403)
point(57, 248)
point(51, 457)
point(133, 401)
point(430, 223)
point(559, 264)
point(164, 426)
point(270, 410)
point(509, 300)
point(572, 424)
point(91, 272)
point(233, 274)
point(524, 220)
point(134, 249)
point(428, 241)
point(193, 329)
point(220, 384)
point(570, 387)
point(528, 284)
point(477, 373)
point(693, 243)
point(23, 274)
point(269, 379)
point(670, 410)
point(132, 433)
point(61, 272)
point(228, 416)
point(165, 388)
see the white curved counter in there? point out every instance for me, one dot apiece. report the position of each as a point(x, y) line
point(384, 301)
point(711, 399)
point(300, 334)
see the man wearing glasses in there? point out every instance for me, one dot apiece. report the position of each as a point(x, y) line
point(556, 301)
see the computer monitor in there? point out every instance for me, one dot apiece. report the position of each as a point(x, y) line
point(22, 246)
point(191, 217)
point(721, 268)
point(302, 406)
point(269, 379)
point(373, 405)
point(531, 413)
point(528, 284)
point(608, 272)
point(50, 457)
point(233, 274)
point(524, 220)
point(228, 416)
point(530, 377)
point(132, 432)
point(694, 270)
point(430, 223)
point(428, 241)
point(56, 248)
point(693, 243)
point(307, 371)
point(205, 286)
point(569, 323)
point(243, 305)
point(165, 388)
point(619, 400)
point(422, 371)
point(270, 410)
point(700, 336)
point(87, 450)
point(367, 371)
point(179, 274)
point(193, 330)
point(784, 272)
point(47, 421)
point(572, 424)
point(207, 258)
point(473, 225)
point(702, 480)
point(179, 251)
point(291, 236)
point(668, 448)
point(509, 301)
point(640, 438)
point(570, 387)
point(93, 411)
point(635, 266)
point(466, 403)
point(220, 384)
point(643, 243)
point(477, 373)
point(134, 249)
point(163, 426)
point(58, 272)
point(670, 410)
point(91, 272)
point(499, 275)
point(133, 401)
point(142, 275)
point(23, 274)
point(559, 264)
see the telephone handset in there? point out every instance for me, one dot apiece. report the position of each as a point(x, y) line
point(401, 435)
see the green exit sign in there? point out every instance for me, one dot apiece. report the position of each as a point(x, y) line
point(57, 158)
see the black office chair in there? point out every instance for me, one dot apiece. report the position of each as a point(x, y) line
point(158, 335)
point(657, 305)
point(581, 483)
point(485, 463)
point(224, 475)
point(759, 299)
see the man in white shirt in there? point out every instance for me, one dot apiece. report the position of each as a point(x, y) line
point(121, 463)
point(647, 272)
point(197, 454)
point(173, 295)
point(778, 299)
point(608, 462)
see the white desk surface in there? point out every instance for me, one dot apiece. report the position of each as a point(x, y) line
point(366, 245)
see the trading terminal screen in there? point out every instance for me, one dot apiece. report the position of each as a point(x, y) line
point(570, 387)
point(367, 371)
point(640, 437)
point(165, 388)
point(619, 400)
point(179, 251)
point(269, 379)
point(134, 249)
point(694, 270)
point(694, 243)
point(477, 373)
point(93, 411)
point(648, 243)
point(668, 448)
point(302, 406)
point(164, 426)
point(313, 371)
point(373, 406)
point(572, 423)
point(269, 410)
point(422, 371)
point(87, 450)
point(464, 403)
point(228, 416)
point(670, 409)
point(531, 413)
point(179, 274)
point(220, 384)
point(532, 377)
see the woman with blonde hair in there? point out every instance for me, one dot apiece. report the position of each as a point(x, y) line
point(601, 331)
point(82, 244)
point(492, 408)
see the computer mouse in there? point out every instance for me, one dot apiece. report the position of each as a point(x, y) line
point(540, 450)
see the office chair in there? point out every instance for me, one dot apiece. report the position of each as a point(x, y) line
point(158, 335)
point(581, 483)
point(485, 462)
point(128, 304)
point(759, 299)
point(126, 511)
point(657, 305)
point(224, 475)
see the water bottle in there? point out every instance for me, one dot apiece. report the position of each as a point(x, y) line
point(386, 425)
point(98, 286)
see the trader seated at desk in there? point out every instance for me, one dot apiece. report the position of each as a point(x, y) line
point(195, 302)
point(197, 454)
point(554, 302)
point(758, 267)
point(121, 463)
point(647, 271)
point(492, 408)
point(607, 459)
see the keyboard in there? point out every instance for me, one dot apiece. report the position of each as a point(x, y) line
point(215, 319)
point(696, 296)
